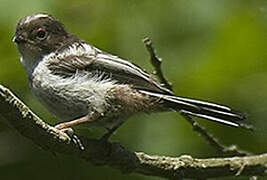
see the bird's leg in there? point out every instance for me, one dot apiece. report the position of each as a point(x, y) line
point(107, 135)
point(91, 117)
point(74, 122)
point(66, 127)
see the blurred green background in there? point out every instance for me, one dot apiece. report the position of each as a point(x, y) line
point(212, 50)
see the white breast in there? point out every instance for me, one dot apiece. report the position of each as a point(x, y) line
point(69, 97)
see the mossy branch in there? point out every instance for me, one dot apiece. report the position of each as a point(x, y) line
point(115, 155)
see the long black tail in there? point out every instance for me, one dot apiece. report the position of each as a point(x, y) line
point(210, 111)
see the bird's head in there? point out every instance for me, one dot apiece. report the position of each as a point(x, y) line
point(39, 35)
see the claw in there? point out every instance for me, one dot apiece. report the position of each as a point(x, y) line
point(74, 138)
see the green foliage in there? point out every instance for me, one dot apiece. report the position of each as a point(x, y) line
point(212, 50)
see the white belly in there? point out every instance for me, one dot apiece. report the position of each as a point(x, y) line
point(69, 97)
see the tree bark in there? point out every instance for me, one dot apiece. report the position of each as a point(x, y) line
point(115, 155)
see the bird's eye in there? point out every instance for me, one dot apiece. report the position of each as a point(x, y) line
point(41, 34)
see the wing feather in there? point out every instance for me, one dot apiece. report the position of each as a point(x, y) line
point(107, 65)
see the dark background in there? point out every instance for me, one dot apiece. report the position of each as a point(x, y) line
point(212, 50)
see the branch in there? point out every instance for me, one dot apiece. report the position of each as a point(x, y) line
point(156, 63)
point(115, 155)
point(202, 131)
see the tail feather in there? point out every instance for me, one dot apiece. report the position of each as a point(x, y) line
point(206, 110)
point(202, 103)
point(229, 123)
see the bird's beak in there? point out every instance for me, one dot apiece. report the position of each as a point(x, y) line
point(18, 39)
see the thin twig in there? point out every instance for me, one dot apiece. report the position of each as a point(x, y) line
point(202, 131)
point(156, 62)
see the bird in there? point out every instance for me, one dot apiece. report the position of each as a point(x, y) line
point(82, 85)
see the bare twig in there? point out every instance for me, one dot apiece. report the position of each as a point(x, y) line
point(156, 62)
point(202, 131)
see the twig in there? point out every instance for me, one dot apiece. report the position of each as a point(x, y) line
point(202, 131)
point(156, 62)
